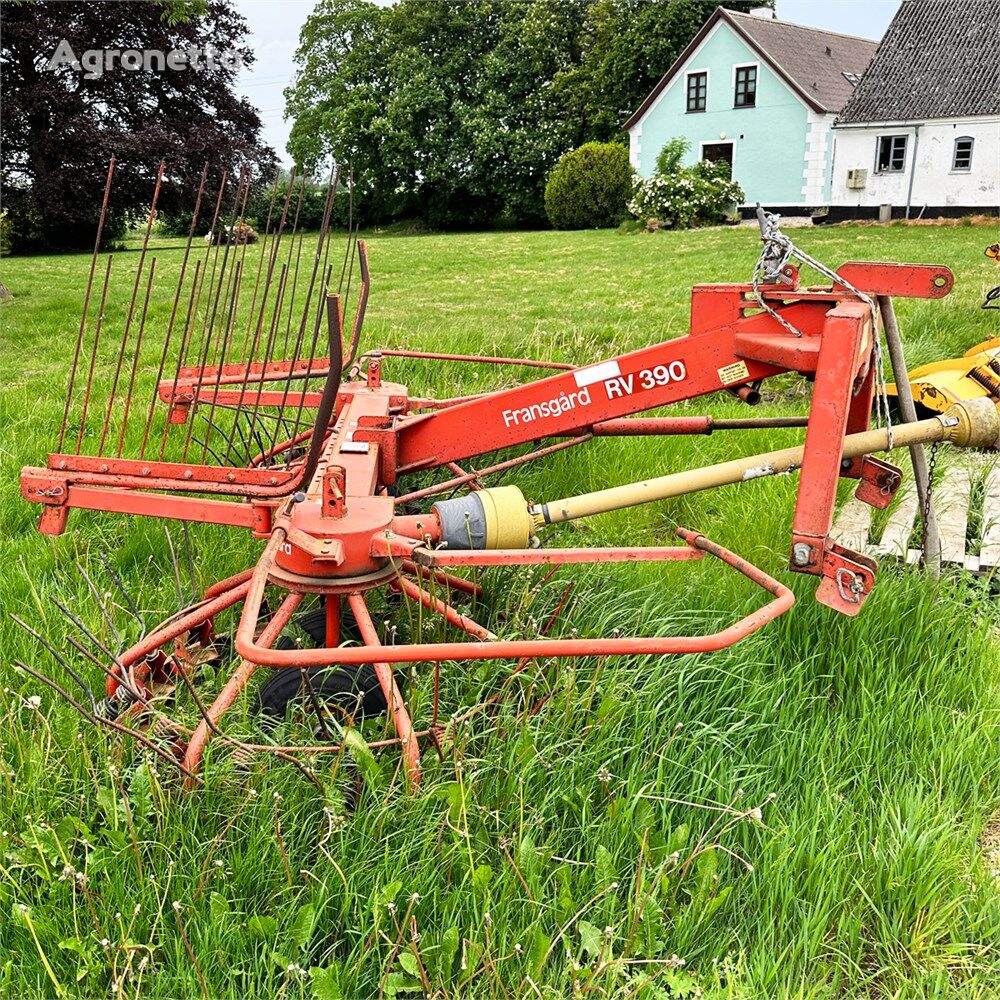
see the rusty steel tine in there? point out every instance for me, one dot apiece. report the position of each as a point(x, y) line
point(350, 272)
point(260, 259)
point(93, 356)
point(207, 449)
point(122, 679)
point(57, 656)
point(212, 303)
point(135, 358)
point(298, 258)
point(250, 347)
point(176, 566)
point(211, 428)
point(189, 555)
point(491, 470)
point(208, 328)
point(213, 292)
point(99, 720)
point(212, 241)
point(121, 589)
point(244, 432)
point(86, 304)
point(227, 332)
point(271, 338)
point(322, 308)
point(317, 707)
point(131, 306)
point(182, 350)
point(350, 221)
point(105, 614)
point(86, 631)
point(362, 306)
point(239, 210)
point(236, 274)
point(251, 350)
point(173, 311)
point(264, 415)
point(317, 256)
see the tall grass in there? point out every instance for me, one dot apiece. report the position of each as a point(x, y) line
point(799, 816)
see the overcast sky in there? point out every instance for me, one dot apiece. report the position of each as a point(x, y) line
point(275, 26)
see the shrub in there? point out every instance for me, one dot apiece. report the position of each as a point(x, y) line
point(668, 160)
point(236, 235)
point(685, 197)
point(588, 187)
point(5, 232)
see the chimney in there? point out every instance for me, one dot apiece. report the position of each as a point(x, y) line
point(763, 12)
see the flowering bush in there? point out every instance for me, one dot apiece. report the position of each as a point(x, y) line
point(686, 197)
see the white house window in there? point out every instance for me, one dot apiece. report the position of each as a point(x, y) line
point(890, 154)
point(963, 153)
point(697, 91)
point(746, 87)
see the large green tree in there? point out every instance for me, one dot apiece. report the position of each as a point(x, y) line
point(456, 111)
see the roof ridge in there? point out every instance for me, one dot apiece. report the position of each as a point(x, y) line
point(795, 24)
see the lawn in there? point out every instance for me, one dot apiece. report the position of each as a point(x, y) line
point(807, 814)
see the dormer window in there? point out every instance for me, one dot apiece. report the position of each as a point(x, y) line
point(746, 87)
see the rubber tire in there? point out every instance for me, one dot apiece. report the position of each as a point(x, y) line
point(341, 685)
point(349, 686)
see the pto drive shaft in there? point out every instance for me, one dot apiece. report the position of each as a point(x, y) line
point(510, 523)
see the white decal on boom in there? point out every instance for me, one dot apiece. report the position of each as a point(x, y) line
point(549, 408)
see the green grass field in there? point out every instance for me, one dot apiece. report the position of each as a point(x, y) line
point(803, 815)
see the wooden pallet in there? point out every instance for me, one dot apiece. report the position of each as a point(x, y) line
point(967, 486)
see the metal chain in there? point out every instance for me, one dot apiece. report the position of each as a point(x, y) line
point(926, 512)
point(776, 252)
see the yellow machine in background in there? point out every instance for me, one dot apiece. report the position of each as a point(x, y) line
point(974, 375)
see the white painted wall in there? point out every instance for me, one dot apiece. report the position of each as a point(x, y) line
point(816, 170)
point(934, 182)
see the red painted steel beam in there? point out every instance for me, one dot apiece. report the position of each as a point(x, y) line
point(782, 600)
point(911, 281)
point(256, 517)
point(665, 373)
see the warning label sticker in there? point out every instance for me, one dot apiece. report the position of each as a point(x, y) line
point(736, 372)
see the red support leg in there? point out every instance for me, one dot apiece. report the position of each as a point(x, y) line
point(400, 717)
point(845, 348)
point(232, 688)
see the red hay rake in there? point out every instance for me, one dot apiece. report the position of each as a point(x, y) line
point(266, 417)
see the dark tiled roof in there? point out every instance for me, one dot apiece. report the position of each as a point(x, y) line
point(938, 59)
point(810, 61)
point(815, 60)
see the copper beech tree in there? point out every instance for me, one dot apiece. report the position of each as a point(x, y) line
point(73, 98)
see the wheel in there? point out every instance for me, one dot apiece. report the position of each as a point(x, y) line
point(348, 693)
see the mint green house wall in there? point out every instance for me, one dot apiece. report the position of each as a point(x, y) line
point(781, 151)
